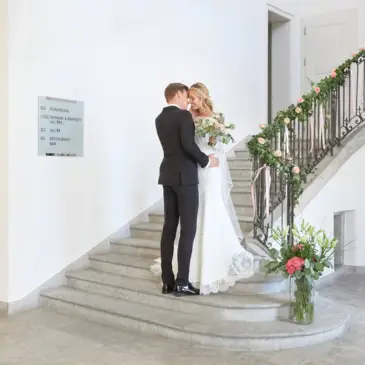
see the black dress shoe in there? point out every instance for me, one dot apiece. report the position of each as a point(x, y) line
point(167, 289)
point(191, 287)
point(186, 290)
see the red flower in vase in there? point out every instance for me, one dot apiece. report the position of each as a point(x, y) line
point(294, 264)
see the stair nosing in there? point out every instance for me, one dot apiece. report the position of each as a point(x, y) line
point(214, 332)
point(95, 257)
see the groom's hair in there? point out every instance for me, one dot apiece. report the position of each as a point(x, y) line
point(173, 88)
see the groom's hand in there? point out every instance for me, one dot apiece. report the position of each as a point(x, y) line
point(213, 161)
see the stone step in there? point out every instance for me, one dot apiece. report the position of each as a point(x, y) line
point(133, 265)
point(242, 153)
point(241, 173)
point(241, 196)
point(156, 217)
point(240, 307)
point(200, 329)
point(259, 283)
point(127, 265)
point(235, 163)
point(246, 189)
point(152, 230)
point(243, 206)
point(244, 210)
point(135, 246)
point(239, 182)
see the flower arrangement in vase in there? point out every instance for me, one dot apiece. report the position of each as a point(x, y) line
point(303, 262)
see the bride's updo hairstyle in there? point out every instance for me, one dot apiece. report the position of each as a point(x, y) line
point(202, 92)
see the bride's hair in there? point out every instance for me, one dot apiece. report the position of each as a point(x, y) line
point(202, 92)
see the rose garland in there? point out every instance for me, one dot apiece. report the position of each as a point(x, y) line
point(260, 145)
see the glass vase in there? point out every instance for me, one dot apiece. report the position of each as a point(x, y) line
point(303, 300)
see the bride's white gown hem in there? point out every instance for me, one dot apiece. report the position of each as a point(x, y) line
point(218, 259)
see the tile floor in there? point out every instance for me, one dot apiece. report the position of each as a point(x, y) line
point(44, 338)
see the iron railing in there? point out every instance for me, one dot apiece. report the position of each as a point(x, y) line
point(305, 144)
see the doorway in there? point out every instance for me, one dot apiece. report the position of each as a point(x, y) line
point(278, 61)
point(344, 224)
point(328, 40)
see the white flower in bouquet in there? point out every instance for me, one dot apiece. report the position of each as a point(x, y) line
point(214, 127)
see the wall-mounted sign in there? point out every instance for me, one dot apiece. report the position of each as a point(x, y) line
point(61, 127)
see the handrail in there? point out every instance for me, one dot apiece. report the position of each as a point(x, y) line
point(288, 150)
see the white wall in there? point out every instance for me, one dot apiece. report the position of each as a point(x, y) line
point(342, 193)
point(3, 152)
point(306, 8)
point(117, 57)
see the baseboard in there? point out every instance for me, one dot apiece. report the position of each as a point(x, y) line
point(3, 309)
point(351, 269)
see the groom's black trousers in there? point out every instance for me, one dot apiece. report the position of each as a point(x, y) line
point(181, 202)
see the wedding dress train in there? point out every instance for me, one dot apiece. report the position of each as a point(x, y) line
point(218, 259)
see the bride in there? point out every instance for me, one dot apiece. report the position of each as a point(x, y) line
point(218, 259)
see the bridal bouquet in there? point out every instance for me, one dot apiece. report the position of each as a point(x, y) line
point(303, 262)
point(215, 128)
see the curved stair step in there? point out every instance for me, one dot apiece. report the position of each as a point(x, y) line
point(198, 329)
point(244, 307)
point(135, 266)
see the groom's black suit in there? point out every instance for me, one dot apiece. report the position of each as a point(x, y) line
point(179, 177)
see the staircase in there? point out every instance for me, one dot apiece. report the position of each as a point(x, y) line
point(118, 289)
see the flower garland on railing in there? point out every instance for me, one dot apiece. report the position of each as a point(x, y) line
point(260, 146)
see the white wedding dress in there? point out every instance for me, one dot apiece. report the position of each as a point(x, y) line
point(218, 259)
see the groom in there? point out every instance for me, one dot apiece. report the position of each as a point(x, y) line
point(179, 177)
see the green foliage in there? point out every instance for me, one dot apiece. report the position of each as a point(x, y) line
point(302, 110)
point(312, 247)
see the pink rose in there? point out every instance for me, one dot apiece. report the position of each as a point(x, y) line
point(261, 140)
point(277, 153)
point(333, 74)
point(262, 126)
point(354, 54)
point(362, 49)
point(295, 170)
point(294, 264)
point(300, 100)
point(317, 90)
point(299, 247)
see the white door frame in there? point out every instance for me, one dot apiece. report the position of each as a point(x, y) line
point(282, 13)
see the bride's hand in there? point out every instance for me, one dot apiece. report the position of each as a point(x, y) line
point(212, 140)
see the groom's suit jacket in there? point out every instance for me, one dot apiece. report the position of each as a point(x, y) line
point(176, 131)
